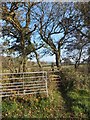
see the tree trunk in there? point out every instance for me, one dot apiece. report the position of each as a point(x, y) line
point(23, 52)
point(78, 61)
point(24, 64)
point(38, 62)
point(76, 65)
point(0, 82)
point(88, 64)
point(58, 59)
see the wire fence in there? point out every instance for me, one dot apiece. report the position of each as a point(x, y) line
point(23, 83)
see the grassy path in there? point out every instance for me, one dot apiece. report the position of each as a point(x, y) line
point(59, 104)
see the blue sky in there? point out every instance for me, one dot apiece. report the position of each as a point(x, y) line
point(46, 58)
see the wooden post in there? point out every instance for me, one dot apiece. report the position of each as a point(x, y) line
point(0, 85)
point(46, 84)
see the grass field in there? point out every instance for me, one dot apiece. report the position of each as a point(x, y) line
point(70, 100)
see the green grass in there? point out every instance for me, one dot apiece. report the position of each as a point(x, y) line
point(33, 107)
point(74, 93)
point(81, 102)
point(77, 89)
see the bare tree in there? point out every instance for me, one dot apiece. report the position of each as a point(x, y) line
point(77, 49)
point(84, 8)
point(56, 21)
point(81, 36)
point(16, 26)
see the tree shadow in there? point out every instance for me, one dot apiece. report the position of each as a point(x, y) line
point(64, 87)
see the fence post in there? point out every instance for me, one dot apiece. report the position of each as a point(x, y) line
point(23, 84)
point(1, 82)
point(46, 83)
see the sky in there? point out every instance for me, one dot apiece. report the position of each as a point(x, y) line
point(46, 58)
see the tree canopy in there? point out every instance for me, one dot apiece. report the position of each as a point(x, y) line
point(47, 27)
